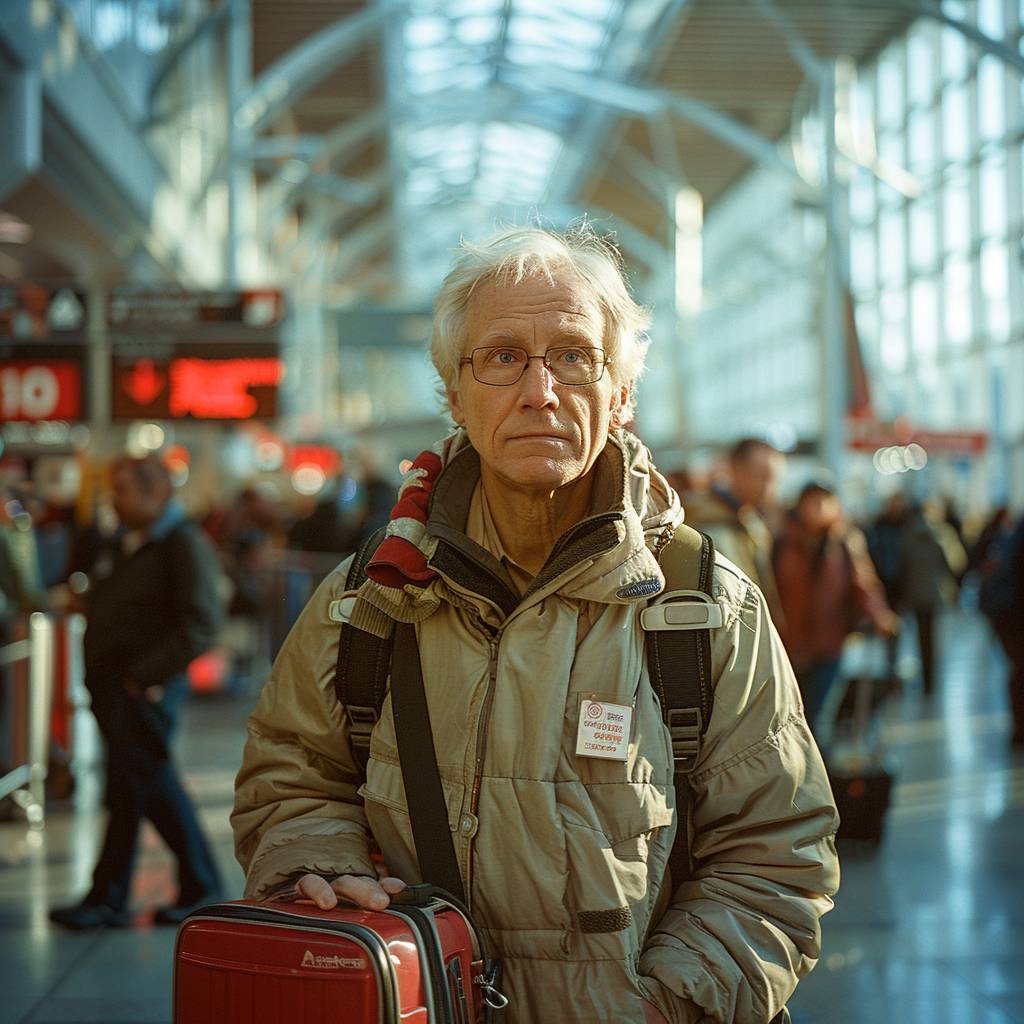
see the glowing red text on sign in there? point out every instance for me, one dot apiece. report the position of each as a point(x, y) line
point(219, 388)
point(40, 391)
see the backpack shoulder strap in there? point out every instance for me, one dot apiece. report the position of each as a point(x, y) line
point(364, 662)
point(678, 625)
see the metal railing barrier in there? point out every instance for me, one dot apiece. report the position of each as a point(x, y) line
point(28, 692)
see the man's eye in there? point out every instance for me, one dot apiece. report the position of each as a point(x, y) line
point(572, 356)
point(504, 356)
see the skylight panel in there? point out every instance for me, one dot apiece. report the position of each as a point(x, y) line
point(429, 61)
point(478, 29)
point(426, 30)
point(533, 55)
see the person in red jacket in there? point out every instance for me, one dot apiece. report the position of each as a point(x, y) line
point(827, 585)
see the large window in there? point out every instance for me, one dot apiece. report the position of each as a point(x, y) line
point(949, 274)
point(936, 261)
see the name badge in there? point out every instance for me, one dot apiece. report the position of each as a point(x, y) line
point(604, 730)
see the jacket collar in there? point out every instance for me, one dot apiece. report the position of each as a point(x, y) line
point(172, 516)
point(169, 520)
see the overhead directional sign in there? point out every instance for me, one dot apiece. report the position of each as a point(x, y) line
point(179, 355)
point(131, 309)
point(201, 382)
point(31, 312)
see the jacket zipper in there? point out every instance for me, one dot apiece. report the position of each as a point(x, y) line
point(481, 743)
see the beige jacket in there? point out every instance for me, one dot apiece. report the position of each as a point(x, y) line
point(564, 856)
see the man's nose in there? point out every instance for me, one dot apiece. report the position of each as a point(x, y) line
point(537, 386)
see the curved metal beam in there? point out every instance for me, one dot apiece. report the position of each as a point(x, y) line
point(646, 101)
point(305, 65)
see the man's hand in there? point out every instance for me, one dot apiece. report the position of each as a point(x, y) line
point(652, 1015)
point(368, 893)
point(154, 694)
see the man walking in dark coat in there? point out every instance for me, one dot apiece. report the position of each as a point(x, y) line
point(152, 608)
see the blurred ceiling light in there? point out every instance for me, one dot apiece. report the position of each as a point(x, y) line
point(144, 438)
point(900, 459)
point(916, 457)
point(689, 251)
point(308, 479)
point(13, 229)
point(151, 436)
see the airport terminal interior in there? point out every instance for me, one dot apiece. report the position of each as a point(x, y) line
point(223, 224)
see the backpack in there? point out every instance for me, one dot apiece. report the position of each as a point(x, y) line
point(678, 625)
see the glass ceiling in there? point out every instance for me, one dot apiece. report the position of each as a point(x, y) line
point(479, 131)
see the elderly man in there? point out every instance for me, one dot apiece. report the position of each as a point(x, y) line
point(544, 515)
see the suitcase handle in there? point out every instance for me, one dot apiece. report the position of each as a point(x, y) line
point(420, 894)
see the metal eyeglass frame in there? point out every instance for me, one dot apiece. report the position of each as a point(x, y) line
point(605, 362)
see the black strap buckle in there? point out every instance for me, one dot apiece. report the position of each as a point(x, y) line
point(362, 720)
point(684, 726)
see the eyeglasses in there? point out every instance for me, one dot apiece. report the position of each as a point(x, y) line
point(573, 364)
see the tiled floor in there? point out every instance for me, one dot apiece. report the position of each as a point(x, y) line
point(928, 930)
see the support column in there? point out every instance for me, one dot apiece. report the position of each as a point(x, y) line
point(834, 363)
point(239, 69)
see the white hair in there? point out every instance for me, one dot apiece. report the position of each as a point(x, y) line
point(516, 253)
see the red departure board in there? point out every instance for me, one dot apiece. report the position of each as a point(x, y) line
point(36, 390)
point(205, 386)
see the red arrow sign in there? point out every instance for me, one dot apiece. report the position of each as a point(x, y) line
point(144, 383)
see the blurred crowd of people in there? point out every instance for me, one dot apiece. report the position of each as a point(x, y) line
point(826, 577)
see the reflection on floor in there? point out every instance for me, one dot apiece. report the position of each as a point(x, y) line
point(928, 930)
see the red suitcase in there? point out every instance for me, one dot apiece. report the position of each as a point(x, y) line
point(272, 963)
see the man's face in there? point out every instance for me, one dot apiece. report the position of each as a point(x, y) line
point(819, 511)
point(756, 477)
point(135, 507)
point(537, 434)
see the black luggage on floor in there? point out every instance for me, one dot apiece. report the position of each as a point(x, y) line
point(862, 795)
point(860, 773)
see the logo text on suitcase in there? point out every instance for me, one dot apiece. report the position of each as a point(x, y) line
point(332, 963)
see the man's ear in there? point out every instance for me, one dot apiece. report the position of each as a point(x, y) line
point(455, 405)
point(619, 401)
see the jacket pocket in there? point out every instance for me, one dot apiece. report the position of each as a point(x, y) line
point(618, 838)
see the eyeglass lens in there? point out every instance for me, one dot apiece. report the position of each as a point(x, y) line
point(568, 365)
